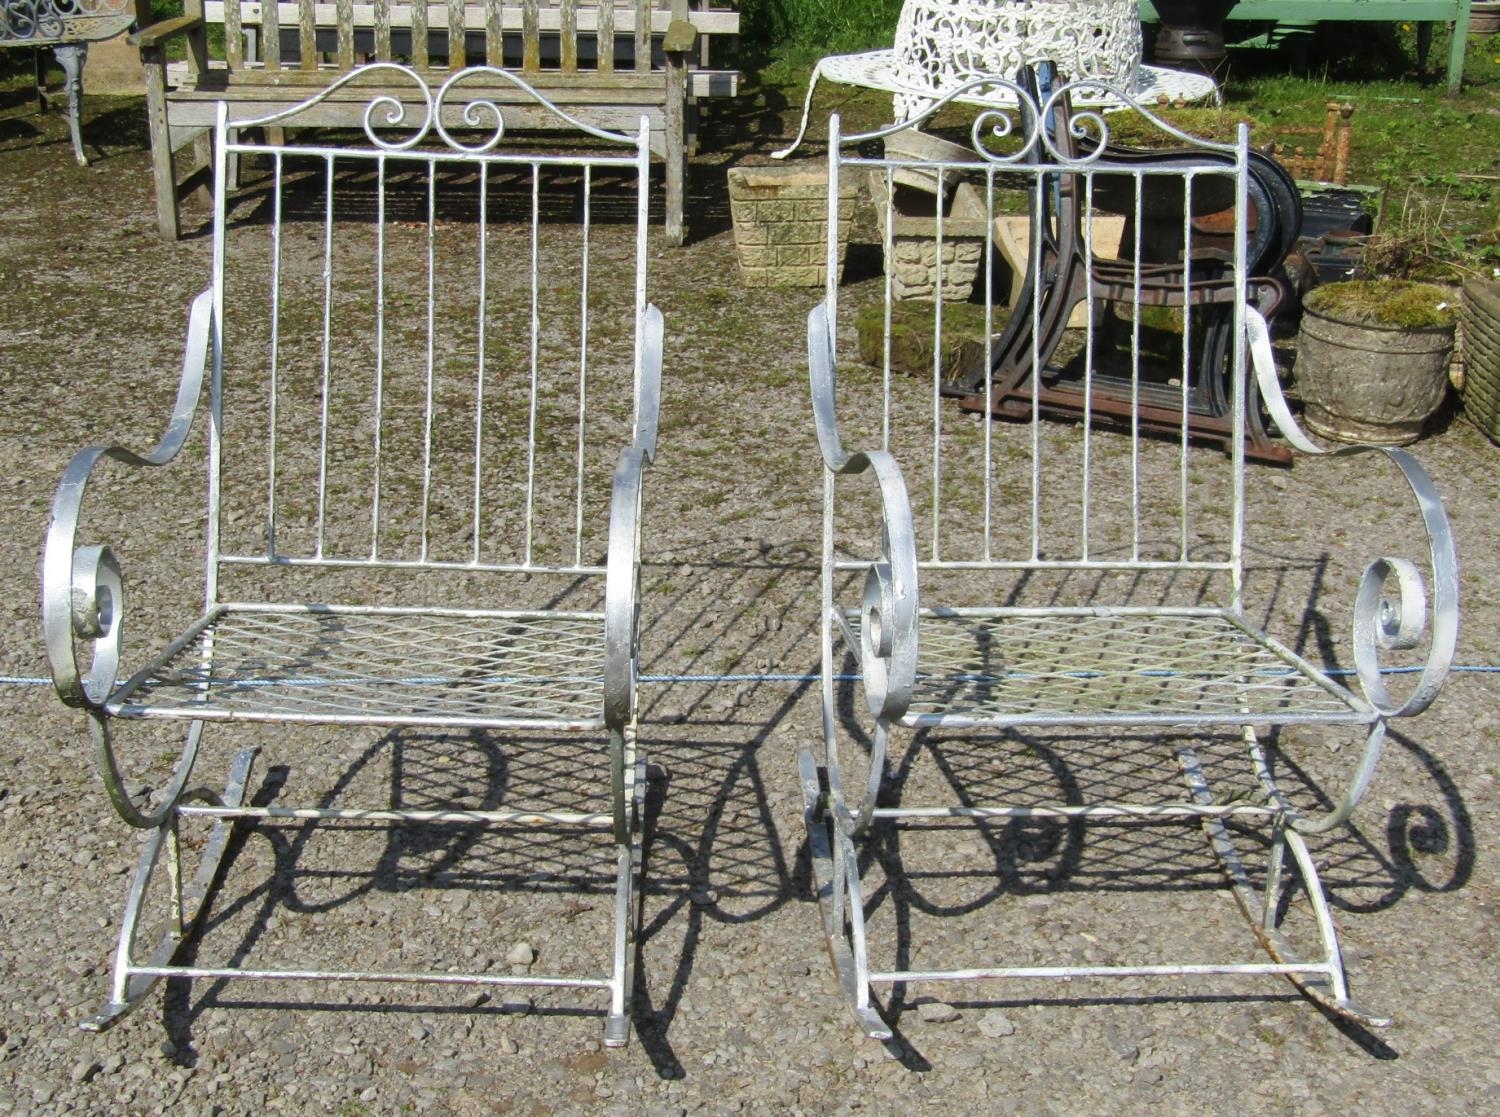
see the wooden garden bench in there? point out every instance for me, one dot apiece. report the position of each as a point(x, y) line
point(605, 63)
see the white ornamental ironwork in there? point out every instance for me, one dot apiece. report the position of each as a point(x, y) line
point(944, 46)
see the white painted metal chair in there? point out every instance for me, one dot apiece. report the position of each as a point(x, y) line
point(943, 46)
point(1036, 636)
point(432, 382)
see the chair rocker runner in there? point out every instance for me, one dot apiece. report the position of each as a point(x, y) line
point(422, 360)
point(1048, 624)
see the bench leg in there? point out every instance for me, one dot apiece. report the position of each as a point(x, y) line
point(676, 129)
point(71, 57)
point(155, 63)
point(39, 62)
point(1456, 47)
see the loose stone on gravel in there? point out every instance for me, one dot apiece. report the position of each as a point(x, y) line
point(996, 1024)
point(936, 1012)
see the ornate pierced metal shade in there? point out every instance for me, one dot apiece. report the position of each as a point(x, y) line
point(48, 22)
point(940, 44)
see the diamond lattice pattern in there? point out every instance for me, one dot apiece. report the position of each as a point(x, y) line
point(1018, 669)
point(382, 668)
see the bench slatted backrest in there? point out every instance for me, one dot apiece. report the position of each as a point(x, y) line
point(550, 32)
point(429, 354)
point(1045, 501)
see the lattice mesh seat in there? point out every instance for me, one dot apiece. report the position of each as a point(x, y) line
point(384, 668)
point(999, 668)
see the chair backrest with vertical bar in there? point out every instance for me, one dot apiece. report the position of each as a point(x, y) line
point(1097, 501)
point(430, 349)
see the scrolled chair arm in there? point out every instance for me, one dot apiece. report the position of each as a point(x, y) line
point(82, 589)
point(1384, 621)
point(648, 382)
point(622, 623)
point(888, 608)
point(622, 590)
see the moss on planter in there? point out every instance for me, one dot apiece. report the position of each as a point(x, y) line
point(1392, 303)
point(911, 337)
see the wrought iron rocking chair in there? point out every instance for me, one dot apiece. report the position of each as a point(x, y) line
point(1030, 632)
point(433, 381)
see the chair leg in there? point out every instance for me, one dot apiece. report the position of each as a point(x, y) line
point(132, 980)
point(835, 872)
point(1261, 907)
point(627, 913)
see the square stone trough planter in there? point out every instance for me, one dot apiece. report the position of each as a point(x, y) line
point(922, 263)
point(780, 217)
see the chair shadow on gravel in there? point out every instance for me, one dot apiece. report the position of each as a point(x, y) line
point(963, 884)
point(711, 854)
point(391, 879)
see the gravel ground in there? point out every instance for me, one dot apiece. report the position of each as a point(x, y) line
point(736, 1008)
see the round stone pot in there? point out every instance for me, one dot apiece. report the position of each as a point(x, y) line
point(1367, 383)
point(1484, 18)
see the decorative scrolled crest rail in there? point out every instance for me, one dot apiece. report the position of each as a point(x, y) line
point(1022, 128)
point(476, 110)
point(384, 111)
point(468, 97)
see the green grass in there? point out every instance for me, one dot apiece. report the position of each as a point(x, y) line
point(1434, 158)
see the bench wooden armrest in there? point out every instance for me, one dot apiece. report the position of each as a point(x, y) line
point(159, 33)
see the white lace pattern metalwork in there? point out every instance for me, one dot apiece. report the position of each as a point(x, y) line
point(940, 44)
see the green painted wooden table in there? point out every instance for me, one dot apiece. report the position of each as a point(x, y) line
point(1422, 12)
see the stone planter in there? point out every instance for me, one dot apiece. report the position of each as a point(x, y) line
point(780, 217)
point(1481, 383)
point(913, 144)
point(919, 265)
point(1368, 383)
point(1484, 18)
